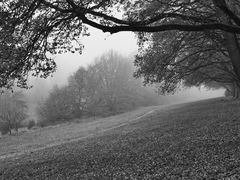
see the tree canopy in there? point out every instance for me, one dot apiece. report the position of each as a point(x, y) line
point(174, 58)
point(31, 30)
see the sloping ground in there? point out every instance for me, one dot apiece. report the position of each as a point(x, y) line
point(195, 141)
point(53, 135)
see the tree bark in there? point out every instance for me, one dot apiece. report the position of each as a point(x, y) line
point(233, 90)
point(237, 91)
point(234, 52)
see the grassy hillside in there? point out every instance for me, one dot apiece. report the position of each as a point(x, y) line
point(193, 141)
point(33, 140)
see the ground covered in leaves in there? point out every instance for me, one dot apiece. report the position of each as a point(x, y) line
point(193, 141)
point(40, 138)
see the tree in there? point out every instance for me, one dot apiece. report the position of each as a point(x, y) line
point(13, 110)
point(193, 59)
point(35, 28)
point(117, 90)
point(190, 58)
point(107, 87)
point(78, 87)
point(58, 107)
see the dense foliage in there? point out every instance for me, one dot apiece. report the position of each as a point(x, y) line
point(173, 59)
point(176, 58)
point(105, 88)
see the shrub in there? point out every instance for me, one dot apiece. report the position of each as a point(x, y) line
point(57, 108)
point(31, 123)
point(4, 129)
point(42, 124)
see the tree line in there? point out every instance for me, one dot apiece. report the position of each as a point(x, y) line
point(104, 88)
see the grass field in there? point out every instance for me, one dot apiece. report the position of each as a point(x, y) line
point(41, 138)
point(198, 140)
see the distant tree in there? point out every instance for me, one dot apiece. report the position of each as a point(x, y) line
point(78, 87)
point(13, 110)
point(94, 92)
point(58, 107)
point(117, 90)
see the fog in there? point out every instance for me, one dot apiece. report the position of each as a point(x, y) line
point(95, 45)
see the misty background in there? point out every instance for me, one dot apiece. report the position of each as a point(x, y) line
point(95, 45)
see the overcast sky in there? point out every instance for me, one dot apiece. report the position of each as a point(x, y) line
point(94, 45)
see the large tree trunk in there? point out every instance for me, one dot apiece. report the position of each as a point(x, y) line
point(233, 90)
point(234, 52)
point(236, 90)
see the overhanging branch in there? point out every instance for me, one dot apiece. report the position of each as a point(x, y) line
point(197, 23)
point(165, 27)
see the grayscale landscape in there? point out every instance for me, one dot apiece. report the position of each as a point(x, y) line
point(128, 89)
